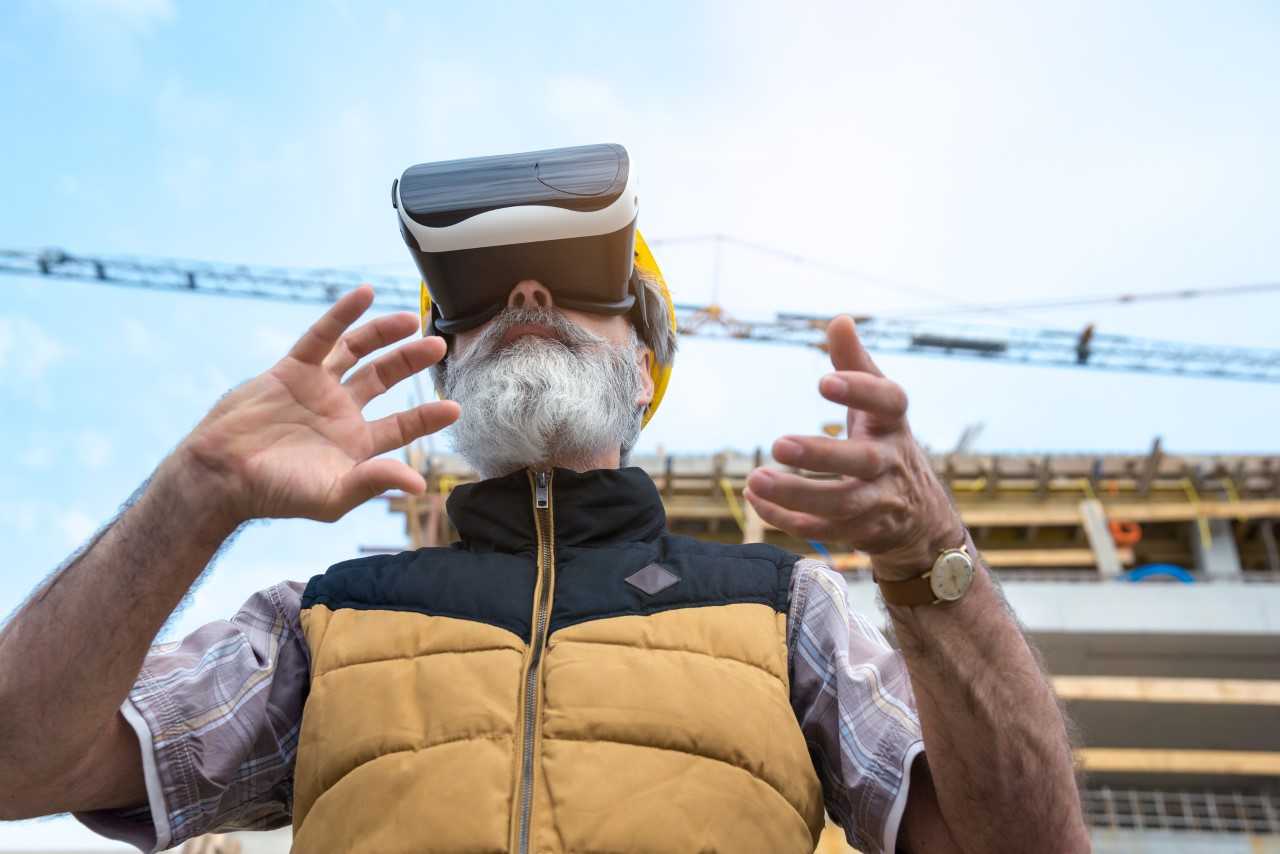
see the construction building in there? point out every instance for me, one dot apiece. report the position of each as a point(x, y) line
point(1149, 581)
point(1149, 584)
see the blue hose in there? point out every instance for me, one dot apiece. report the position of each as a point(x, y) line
point(1138, 573)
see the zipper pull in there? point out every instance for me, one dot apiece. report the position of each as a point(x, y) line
point(541, 497)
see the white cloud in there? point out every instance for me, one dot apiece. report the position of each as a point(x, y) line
point(272, 342)
point(573, 97)
point(137, 15)
point(27, 351)
point(23, 516)
point(182, 110)
point(107, 37)
point(68, 185)
point(36, 456)
point(136, 338)
point(76, 526)
point(93, 449)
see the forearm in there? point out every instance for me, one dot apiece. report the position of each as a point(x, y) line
point(70, 655)
point(994, 735)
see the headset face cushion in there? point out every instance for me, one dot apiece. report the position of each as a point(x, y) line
point(477, 227)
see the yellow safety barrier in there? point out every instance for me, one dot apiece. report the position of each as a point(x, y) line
point(1233, 496)
point(1206, 536)
point(735, 508)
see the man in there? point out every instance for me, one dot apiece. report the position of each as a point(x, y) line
point(568, 677)
point(291, 442)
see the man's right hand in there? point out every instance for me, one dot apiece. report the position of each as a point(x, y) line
point(292, 442)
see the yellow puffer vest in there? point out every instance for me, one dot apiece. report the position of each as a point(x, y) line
point(567, 678)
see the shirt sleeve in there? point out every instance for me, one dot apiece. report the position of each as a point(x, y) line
point(852, 697)
point(217, 717)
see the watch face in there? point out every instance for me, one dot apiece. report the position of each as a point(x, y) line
point(951, 576)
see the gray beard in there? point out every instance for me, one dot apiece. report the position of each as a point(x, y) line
point(538, 402)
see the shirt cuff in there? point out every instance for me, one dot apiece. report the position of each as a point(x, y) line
point(145, 828)
point(899, 806)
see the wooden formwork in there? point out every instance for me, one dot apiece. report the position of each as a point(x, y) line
point(1065, 513)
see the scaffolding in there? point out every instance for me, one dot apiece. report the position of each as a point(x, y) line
point(1194, 518)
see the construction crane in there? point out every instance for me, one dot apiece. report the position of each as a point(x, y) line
point(1085, 348)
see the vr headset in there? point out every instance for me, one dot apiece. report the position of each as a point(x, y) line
point(565, 217)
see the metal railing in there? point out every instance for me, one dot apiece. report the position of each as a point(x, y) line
point(1206, 811)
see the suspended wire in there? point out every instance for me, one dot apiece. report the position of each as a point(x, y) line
point(1111, 299)
point(1030, 346)
point(948, 307)
point(810, 263)
point(951, 308)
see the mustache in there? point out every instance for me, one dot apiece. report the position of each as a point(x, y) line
point(564, 331)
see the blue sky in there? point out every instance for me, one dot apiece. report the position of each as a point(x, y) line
point(995, 151)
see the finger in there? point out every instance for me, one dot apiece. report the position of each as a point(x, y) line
point(396, 431)
point(384, 372)
point(865, 392)
point(845, 347)
point(806, 526)
point(325, 332)
point(844, 498)
point(373, 477)
point(363, 340)
point(865, 460)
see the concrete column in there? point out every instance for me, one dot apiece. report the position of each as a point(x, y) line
point(1093, 518)
point(1217, 557)
point(754, 532)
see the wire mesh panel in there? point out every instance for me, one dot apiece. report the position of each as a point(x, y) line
point(1205, 811)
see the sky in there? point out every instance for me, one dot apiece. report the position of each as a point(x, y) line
point(950, 153)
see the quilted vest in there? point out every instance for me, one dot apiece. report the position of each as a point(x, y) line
point(567, 678)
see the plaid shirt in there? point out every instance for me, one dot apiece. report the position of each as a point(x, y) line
point(218, 716)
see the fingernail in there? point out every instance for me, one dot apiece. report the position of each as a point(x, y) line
point(831, 385)
point(786, 450)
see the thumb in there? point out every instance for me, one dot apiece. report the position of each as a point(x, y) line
point(847, 352)
point(373, 477)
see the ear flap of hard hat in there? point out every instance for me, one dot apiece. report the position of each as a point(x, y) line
point(659, 371)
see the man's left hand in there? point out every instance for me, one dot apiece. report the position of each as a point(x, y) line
point(885, 499)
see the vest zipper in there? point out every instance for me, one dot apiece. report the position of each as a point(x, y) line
point(541, 482)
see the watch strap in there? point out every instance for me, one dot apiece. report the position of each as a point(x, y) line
point(919, 590)
point(912, 591)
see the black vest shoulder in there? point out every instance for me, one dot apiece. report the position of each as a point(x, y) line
point(612, 558)
point(591, 583)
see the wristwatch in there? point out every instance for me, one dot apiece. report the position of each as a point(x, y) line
point(946, 581)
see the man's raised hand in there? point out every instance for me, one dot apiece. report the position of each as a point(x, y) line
point(885, 499)
point(292, 442)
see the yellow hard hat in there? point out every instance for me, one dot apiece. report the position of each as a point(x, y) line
point(647, 265)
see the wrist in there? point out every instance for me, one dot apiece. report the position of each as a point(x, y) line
point(918, 629)
point(917, 557)
point(187, 485)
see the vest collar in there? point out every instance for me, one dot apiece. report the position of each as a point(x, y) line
point(595, 507)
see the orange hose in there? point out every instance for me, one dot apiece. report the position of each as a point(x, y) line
point(1125, 533)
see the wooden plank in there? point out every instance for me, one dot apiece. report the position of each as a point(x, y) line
point(1160, 761)
point(1253, 508)
point(1013, 515)
point(1147, 689)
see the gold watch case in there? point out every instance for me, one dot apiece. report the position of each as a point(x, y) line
point(946, 581)
point(951, 575)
